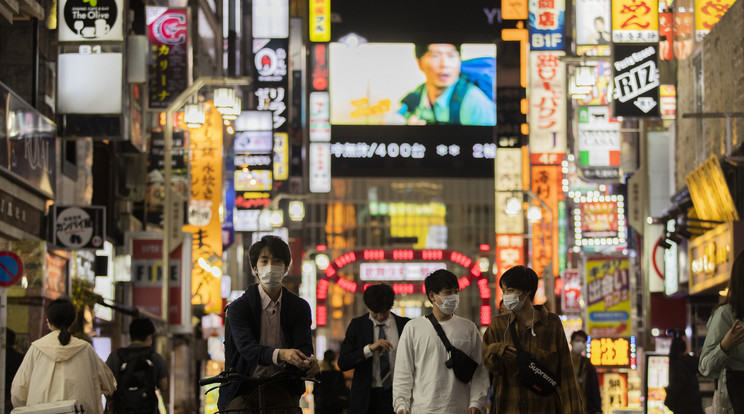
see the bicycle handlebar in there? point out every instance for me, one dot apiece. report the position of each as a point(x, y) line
point(225, 377)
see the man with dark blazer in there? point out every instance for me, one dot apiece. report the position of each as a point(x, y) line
point(369, 349)
point(267, 330)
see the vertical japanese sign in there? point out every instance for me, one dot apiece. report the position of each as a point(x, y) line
point(707, 14)
point(635, 21)
point(547, 23)
point(547, 117)
point(546, 184)
point(571, 292)
point(270, 59)
point(320, 106)
point(607, 296)
point(509, 252)
point(320, 167)
point(204, 210)
point(666, 37)
point(668, 101)
point(636, 80)
point(598, 143)
point(320, 20)
point(168, 59)
point(155, 195)
point(593, 22)
point(508, 184)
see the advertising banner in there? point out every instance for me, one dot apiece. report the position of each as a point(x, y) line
point(657, 379)
point(90, 21)
point(147, 277)
point(707, 14)
point(79, 228)
point(271, 90)
point(320, 20)
point(599, 220)
point(204, 210)
point(599, 137)
point(546, 184)
point(607, 296)
point(571, 292)
point(547, 116)
point(634, 21)
point(320, 168)
point(547, 23)
point(593, 22)
point(636, 80)
point(168, 59)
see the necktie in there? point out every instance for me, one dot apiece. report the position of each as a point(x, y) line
point(385, 376)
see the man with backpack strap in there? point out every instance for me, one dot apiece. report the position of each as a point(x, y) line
point(452, 93)
point(138, 371)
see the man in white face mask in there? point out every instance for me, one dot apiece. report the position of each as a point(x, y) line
point(540, 333)
point(422, 383)
point(268, 330)
point(586, 374)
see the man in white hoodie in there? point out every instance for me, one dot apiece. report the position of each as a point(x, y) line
point(61, 367)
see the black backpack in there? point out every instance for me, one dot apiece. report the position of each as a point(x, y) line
point(135, 390)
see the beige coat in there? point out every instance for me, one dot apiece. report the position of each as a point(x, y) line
point(51, 372)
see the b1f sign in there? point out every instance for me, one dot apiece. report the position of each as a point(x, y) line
point(547, 22)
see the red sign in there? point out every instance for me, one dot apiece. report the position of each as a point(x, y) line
point(147, 285)
point(11, 268)
point(571, 292)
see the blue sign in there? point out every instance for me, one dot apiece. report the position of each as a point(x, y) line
point(546, 24)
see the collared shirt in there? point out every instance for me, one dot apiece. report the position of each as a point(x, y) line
point(391, 333)
point(548, 346)
point(271, 330)
point(712, 357)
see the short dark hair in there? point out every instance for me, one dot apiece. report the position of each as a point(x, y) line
point(277, 247)
point(329, 356)
point(580, 333)
point(422, 48)
point(522, 278)
point(140, 329)
point(439, 280)
point(379, 297)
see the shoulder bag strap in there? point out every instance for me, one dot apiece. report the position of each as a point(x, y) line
point(515, 338)
point(440, 331)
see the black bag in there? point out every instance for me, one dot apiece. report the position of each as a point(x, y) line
point(135, 391)
point(532, 374)
point(459, 362)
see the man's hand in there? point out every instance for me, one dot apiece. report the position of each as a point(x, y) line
point(510, 353)
point(314, 368)
point(294, 357)
point(733, 337)
point(473, 410)
point(381, 345)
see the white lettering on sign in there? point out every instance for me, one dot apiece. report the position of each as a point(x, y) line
point(397, 271)
point(637, 81)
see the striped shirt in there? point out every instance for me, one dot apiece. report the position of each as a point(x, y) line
point(549, 347)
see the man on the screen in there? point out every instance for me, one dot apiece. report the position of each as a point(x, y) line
point(446, 97)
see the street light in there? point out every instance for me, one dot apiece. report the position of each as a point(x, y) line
point(171, 232)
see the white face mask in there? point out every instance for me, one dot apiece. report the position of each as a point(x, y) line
point(512, 302)
point(271, 276)
point(577, 347)
point(449, 304)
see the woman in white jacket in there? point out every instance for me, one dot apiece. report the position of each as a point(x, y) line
point(723, 351)
point(60, 367)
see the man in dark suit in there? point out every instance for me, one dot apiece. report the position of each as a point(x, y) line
point(268, 330)
point(369, 348)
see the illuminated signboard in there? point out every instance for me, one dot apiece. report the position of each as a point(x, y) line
point(547, 116)
point(607, 296)
point(168, 57)
point(636, 80)
point(397, 271)
point(635, 21)
point(711, 256)
point(382, 118)
point(593, 22)
point(707, 14)
point(612, 352)
point(547, 22)
point(599, 220)
point(598, 143)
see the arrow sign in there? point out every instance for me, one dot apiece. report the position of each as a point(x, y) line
point(645, 103)
point(11, 268)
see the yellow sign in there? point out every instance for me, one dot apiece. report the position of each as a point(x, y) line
point(514, 10)
point(710, 193)
point(607, 296)
point(708, 13)
point(204, 211)
point(711, 256)
point(635, 21)
point(610, 352)
point(320, 20)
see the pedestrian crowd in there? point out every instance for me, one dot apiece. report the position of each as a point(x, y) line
point(434, 364)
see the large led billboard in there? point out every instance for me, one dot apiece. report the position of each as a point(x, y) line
point(412, 88)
